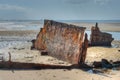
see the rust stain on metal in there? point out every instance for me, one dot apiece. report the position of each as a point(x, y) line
point(99, 38)
point(63, 41)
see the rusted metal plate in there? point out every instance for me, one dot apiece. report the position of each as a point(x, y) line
point(99, 38)
point(61, 40)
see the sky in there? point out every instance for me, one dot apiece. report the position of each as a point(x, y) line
point(60, 9)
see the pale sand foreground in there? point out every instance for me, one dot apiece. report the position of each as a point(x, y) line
point(23, 53)
point(58, 74)
point(98, 53)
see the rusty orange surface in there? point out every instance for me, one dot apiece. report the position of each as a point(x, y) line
point(61, 40)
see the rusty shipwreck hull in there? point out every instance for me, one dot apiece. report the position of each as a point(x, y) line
point(63, 41)
point(98, 38)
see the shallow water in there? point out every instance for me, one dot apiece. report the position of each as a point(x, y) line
point(20, 25)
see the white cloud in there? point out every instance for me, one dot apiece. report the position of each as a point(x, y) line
point(101, 2)
point(77, 1)
point(8, 11)
point(11, 7)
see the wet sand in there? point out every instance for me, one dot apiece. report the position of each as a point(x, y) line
point(18, 32)
point(112, 27)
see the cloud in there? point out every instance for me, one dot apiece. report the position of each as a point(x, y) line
point(13, 12)
point(77, 1)
point(11, 7)
point(101, 2)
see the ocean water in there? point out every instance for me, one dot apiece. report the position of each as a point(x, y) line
point(37, 24)
point(20, 25)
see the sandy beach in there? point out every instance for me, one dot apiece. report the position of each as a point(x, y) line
point(18, 43)
point(58, 74)
point(113, 27)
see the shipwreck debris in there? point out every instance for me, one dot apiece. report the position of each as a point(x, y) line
point(64, 41)
point(106, 64)
point(24, 65)
point(98, 38)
